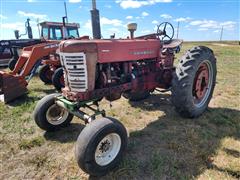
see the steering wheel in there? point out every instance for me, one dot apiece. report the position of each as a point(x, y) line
point(162, 33)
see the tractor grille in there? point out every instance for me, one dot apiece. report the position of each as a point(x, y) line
point(75, 71)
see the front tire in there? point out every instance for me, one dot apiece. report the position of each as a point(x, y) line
point(194, 81)
point(45, 74)
point(49, 116)
point(100, 146)
point(58, 79)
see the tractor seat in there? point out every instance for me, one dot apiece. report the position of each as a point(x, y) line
point(173, 44)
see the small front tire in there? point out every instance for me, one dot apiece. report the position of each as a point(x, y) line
point(45, 74)
point(58, 79)
point(49, 116)
point(100, 146)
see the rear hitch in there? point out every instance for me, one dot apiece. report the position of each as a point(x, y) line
point(11, 86)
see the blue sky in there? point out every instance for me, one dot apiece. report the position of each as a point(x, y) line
point(199, 20)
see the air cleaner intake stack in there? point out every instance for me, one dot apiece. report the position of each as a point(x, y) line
point(132, 27)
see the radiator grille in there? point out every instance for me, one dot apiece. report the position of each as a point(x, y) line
point(75, 71)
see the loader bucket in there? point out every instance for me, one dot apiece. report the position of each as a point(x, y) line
point(11, 87)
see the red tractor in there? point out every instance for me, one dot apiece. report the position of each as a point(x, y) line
point(133, 68)
point(13, 84)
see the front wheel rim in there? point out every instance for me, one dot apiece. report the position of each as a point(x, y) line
point(56, 115)
point(202, 84)
point(107, 149)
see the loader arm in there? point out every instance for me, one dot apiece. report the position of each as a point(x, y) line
point(13, 84)
point(30, 56)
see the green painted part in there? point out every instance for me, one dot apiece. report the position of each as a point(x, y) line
point(68, 104)
point(83, 103)
point(72, 105)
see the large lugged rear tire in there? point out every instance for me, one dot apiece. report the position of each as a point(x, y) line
point(194, 81)
point(49, 116)
point(58, 79)
point(100, 146)
point(45, 74)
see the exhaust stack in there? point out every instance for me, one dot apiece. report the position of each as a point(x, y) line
point(96, 30)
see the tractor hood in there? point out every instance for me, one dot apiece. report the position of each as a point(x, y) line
point(114, 50)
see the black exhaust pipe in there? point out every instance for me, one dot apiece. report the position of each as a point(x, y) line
point(96, 30)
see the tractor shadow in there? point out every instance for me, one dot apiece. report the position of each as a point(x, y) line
point(172, 147)
point(29, 98)
point(65, 135)
point(24, 99)
point(44, 90)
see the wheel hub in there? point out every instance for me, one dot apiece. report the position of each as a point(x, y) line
point(105, 146)
point(107, 149)
point(56, 115)
point(202, 83)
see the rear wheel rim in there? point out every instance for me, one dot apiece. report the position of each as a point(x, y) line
point(107, 149)
point(202, 83)
point(56, 115)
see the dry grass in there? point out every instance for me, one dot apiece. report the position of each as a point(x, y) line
point(162, 145)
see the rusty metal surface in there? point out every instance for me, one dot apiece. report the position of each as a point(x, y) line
point(147, 82)
point(115, 50)
point(11, 87)
point(91, 69)
point(173, 44)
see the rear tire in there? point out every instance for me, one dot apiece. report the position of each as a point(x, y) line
point(194, 81)
point(100, 146)
point(58, 79)
point(45, 74)
point(136, 96)
point(49, 116)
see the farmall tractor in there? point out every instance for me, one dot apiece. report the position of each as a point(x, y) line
point(133, 68)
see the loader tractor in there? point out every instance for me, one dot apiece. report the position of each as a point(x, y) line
point(13, 84)
point(133, 68)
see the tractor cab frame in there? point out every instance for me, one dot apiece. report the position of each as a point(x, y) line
point(59, 31)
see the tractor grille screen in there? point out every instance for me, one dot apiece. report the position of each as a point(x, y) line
point(75, 71)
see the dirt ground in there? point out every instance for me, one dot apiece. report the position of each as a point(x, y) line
point(162, 145)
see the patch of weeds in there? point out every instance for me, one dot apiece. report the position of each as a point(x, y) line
point(136, 133)
point(131, 144)
point(112, 112)
point(39, 160)
point(166, 136)
point(28, 144)
point(128, 166)
point(207, 134)
point(28, 131)
point(157, 164)
point(175, 145)
point(127, 169)
point(222, 120)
